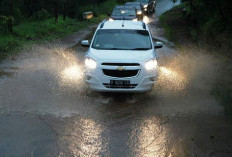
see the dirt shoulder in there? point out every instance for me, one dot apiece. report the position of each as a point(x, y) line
point(177, 29)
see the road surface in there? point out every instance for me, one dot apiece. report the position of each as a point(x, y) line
point(47, 110)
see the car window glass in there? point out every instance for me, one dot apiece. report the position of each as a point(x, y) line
point(123, 12)
point(122, 39)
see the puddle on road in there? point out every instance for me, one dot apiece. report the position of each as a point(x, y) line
point(53, 82)
point(50, 82)
point(4, 74)
point(8, 72)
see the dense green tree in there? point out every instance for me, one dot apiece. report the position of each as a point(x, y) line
point(212, 15)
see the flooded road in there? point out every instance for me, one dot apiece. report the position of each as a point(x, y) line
point(47, 110)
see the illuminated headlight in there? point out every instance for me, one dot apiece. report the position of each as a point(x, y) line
point(145, 6)
point(135, 19)
point(152, 64)
point(90, 63)
point(139, 12)
point(110, 19)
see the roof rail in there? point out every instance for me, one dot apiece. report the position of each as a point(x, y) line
point(144, 25)
point(102, 24)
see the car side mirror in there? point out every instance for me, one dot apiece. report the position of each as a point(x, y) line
point(85, 43)
point(158, 45)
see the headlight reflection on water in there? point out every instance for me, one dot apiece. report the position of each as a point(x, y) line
point(85, 138)
point(151, 139)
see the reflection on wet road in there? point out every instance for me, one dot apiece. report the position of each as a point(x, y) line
point(46, 109)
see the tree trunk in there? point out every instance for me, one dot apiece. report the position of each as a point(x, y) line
point(56, 12)
point(32, 7)
point(65, 11)
point(10, 8)
point(9, 25)
point(10, 17)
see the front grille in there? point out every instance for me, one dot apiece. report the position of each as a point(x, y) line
point(118, 73)
point(131, 86)
point(121, 64)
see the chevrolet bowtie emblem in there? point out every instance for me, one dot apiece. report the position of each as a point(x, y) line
point(121, 68)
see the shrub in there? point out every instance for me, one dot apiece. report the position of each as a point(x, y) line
point(41, 15)
point(6, 24)
point(7, 43)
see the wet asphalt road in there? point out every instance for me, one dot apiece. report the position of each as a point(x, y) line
point(47, 110)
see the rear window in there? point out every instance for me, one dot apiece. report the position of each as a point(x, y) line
point(124, 12)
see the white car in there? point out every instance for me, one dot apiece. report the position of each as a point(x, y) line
point(121, 57)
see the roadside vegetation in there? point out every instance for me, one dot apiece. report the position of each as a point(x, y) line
point(23, 22)
point(209, 31)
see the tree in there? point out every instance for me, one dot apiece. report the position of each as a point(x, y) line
point(56, 12)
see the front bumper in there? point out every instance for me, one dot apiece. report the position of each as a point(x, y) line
point(142, 82)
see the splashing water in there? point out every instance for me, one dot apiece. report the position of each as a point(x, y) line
point(72, 74)
point(171, 80)
point(174, 80)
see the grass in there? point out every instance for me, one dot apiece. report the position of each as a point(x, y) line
point(39, 31)
point(178, 30)
point(31, 32)
point(174, 22)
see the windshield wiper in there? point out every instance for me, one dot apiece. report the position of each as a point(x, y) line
point(141, 49)
point(114, 49)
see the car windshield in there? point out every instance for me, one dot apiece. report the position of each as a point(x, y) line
point(117, 39)
point(142, 1)
point(137, 6)
point(124, 12)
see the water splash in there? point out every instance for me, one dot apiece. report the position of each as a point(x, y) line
point(172, 80)
point(72, 75)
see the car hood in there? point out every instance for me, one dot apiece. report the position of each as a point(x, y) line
point(121, 55)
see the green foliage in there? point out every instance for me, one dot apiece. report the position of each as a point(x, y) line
point(210, 17)
point(42, 15)
point(6, 23)
point(7, 44)
point(29, 21)
point(37, 31)
point(174, 24)
point(105, 8)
